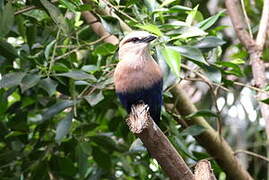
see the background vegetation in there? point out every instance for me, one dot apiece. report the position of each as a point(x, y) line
point(59, 115)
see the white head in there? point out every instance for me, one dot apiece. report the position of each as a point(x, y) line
point(135, 44)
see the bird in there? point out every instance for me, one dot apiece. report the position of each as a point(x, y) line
point(137, 77)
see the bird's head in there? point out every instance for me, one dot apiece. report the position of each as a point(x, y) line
point(135, 43)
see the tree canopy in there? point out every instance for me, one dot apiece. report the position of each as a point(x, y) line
point(60, 117)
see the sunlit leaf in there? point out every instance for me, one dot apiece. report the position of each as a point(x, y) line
point(173, 59)
point(207, 23)
point(105, 49)
point(190, 53)
point(191, 16)
point(192, 31)
point(151, 28)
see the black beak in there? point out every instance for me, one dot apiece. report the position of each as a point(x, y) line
point(149, 38)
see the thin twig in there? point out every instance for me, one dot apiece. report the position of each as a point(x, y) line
point(260, 39)
point(252, 154)
point(29, 8)
point(79, 47)
point(246, 18)
point(120, 11)
point(52, 61)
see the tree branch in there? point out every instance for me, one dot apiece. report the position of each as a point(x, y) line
point(210, 139)
point(98, 28)
point(203, 171)
point(254, 48)
point(142, 125)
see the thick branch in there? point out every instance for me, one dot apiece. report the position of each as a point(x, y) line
point(213, 150)
point(141, 124)
point(98, 28)
point(203, 171)
point(255, 49)
point(239, 23)
point(210, 139)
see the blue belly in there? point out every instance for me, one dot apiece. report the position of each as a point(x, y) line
point(151, 96)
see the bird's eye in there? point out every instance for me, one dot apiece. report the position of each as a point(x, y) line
point(135, 40)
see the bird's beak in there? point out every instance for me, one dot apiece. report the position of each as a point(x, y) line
point(149, 38)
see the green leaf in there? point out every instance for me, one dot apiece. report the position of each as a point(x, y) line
point(137, 146)
point(94, 98)
point(31, 33)
point(68, 5)
point(193, 130)
point(266, 101)
point(7, 50)
point(151, 28)
point(37, 14)
point(30, 80)
point(48, 85)
point(212, 73)
point(6, 19)
point(59, 67)
point(56, 108)
point(78, 75)
point(167, 2)
point(63, 127)
point(101, 158)
point(207, 23)
point(48, 49)
point(191, 53)
point(105, 141)
point(11, 79)
point(181, 146)
point(173, 59)
point(233, 68)
point(209, 42)
point(105, 49)
point(82, 160)
point(111, 24)
point(56, 16)
point(90, 68)
point(191, 16)
point(188, 32)
point(204, 113)
point(84, 7)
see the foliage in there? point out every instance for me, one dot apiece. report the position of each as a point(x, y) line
point(60, 118)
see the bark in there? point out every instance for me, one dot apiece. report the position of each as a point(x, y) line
point(98, 28)
point(215, 145)
point(254, 48)
point(203, 171)
point(158, 145)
